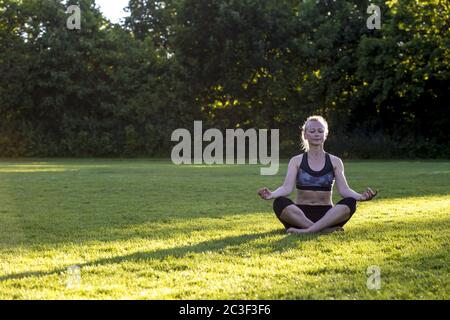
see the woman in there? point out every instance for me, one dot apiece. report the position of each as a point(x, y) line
point(313, 173)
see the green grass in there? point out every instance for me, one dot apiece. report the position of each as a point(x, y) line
point(145, 229)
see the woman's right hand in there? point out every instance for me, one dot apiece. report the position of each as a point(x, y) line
point(265, 193)
point(368, 195)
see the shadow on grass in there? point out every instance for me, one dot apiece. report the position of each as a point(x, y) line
point(280, 245)
point(178, 252)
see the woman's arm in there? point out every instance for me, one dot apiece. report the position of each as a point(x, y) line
point(341, 183)
point(288, 185)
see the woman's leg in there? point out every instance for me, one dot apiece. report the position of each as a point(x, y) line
point(338, 214)
point(294, 216)
point(333, 219)
point(289, 214)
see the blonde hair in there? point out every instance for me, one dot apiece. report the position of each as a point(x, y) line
point(305, 144)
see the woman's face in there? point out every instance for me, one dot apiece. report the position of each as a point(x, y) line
point(315, 133)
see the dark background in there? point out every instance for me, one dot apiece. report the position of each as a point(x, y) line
point(111, 90)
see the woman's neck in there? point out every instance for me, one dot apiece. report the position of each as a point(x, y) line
point(316, 151)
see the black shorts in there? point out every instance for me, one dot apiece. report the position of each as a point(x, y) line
point(313, 213)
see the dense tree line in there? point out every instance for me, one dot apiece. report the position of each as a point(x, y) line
point(121, 89)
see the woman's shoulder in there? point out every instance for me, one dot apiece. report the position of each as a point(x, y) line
point(335, 160)
point(297, 159)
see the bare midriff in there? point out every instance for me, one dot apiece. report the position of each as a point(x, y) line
point(314, 198)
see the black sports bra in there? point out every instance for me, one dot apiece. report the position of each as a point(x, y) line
point(308, 179)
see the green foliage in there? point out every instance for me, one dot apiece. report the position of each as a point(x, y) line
point(117, 90)
point(406, 70)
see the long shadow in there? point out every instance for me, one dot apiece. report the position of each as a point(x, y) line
point(280, 245)
point(179, 252)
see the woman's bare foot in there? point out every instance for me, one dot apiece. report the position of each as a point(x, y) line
point(296, 230)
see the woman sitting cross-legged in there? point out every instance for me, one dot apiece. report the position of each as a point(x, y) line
point(314, 173)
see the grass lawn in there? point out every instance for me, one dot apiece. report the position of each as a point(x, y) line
point(147, 229)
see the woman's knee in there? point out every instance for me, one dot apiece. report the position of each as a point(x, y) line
point(280, 203)
point(350, 203)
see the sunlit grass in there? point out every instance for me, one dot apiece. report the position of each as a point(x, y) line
point(143, 229)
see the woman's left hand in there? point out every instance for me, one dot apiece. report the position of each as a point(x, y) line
point(368, 195)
